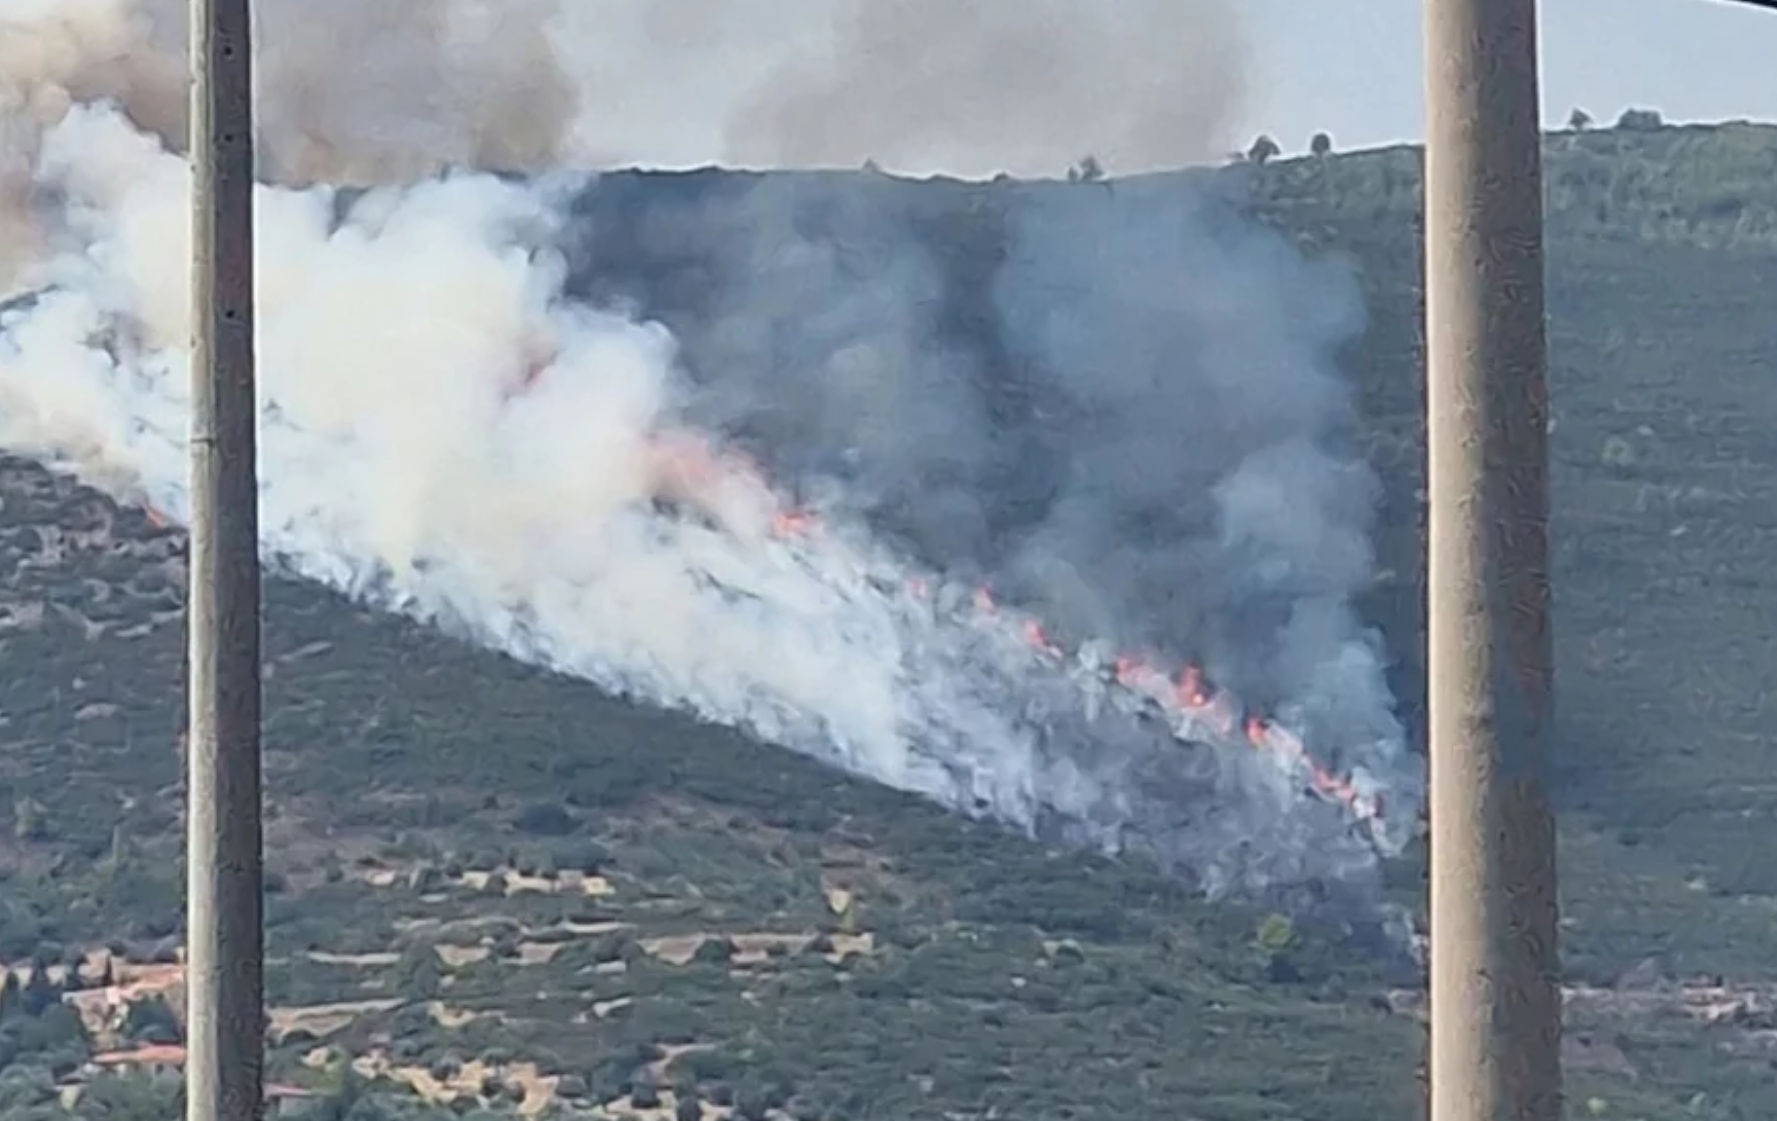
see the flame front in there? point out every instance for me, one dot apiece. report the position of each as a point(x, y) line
point(689, 468)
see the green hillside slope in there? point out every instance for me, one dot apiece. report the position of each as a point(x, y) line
point(503, 890)
point(1662, 286)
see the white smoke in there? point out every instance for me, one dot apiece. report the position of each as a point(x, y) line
point(445, 433)
point(381, 90)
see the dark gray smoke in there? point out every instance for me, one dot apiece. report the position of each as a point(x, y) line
point(1117, 404)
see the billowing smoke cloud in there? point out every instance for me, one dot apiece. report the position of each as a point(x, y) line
point(996, 85)
point(1116, 405)
point(1021, 86)
point(348, 92)
point(753, 445)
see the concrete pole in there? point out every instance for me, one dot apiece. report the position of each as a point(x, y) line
point(224, 929)
point(1495, 997)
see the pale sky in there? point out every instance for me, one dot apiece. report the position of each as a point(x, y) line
point(1353, 67)
point(684, 92)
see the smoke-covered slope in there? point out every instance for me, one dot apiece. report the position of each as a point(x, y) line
point(954, 522)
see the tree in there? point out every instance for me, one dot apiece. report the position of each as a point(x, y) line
point(588, 857)
point(1640, 120)
point(57, 1036)
point(344, 1098)
point(418, 975)
point(688, 1108)
point(152, 1021)
point(713, 951)
point(1262, 150)
point(1091, 171)
point(545, 819)
point(11, 1002)
point(30, 821)
point(752, 1105)
point(571, 1088)
point(1579, 120)
point(422, 879)
point(1321, 144)
point(39, 991)
point(644, 1093)
point(1275, 934)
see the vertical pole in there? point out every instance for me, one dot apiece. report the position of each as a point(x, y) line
point(1495, 997)
point(224, 918)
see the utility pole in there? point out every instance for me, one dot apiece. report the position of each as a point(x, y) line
point(224, 926)
point(1495, 995)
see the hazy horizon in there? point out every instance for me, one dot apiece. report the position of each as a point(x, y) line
point(1353, 68)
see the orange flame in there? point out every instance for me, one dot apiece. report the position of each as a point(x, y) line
point(793, 523)
point(1255, 731)
point(685, 464)
point(1036, 637)
point(1191, 693)
point(688, 464)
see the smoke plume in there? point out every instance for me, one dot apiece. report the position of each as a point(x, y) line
point(996, 84)
point(1030, 499)
point(1021, 86)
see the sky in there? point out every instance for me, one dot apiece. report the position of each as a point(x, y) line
point(1353, 67)
point(681, 92)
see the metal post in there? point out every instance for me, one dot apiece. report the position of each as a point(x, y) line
point(224, 917)
point(1495, 996)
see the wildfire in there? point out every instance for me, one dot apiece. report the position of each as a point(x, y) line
point(1189, 693)
point(1038, 638)
point(1255, 730)
point(1266, 735)
point(1134, 674)
point(1190, 688)
point(793, 523)
point(687, 466)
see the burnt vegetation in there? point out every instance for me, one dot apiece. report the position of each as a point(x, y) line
point(497, 890)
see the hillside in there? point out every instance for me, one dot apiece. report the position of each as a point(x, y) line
point(503, 886)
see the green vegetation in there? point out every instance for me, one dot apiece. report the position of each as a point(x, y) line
point(510, 881)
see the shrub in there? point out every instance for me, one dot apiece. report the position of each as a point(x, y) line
point(643, 1093)
point(714, 951)
point(545, 819)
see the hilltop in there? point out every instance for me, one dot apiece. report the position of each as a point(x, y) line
point(504, 887)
